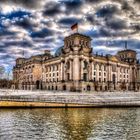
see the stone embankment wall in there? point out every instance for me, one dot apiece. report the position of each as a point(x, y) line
point(69, 99)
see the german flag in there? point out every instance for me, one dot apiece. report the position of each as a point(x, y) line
point(74, 26)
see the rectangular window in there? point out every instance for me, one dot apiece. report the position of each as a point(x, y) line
point(100, 67)
point(114, 68)
point(104, 68)
point(85, 76)
point(68, 76)
point(124, 70)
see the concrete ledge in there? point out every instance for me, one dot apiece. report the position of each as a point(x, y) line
point(11, 104)
point(22, 104)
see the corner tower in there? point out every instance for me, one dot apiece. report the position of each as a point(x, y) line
point(127, 55)
point(77, 43)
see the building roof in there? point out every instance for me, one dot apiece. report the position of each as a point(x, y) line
point(126, 50)
point(78, 34)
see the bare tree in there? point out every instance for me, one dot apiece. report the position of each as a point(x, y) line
point(2, 72)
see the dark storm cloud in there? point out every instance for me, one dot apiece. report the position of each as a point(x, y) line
point(51, 9)
point(19, 18)
point(3, 48)
point(4, 57)
point(116, 24)
point(24, 23)
point(93, 1)
point(126, 6)
point(73, 4)
point(42, 33)
point(134, 42)
point(55, 8)
point(136, 27)
point(5, 32)
point(104, 32)
point(107, 11)
point(24, 43)
point(68, 21)
point(24, 3)
point(17, 14)
point(90, 18)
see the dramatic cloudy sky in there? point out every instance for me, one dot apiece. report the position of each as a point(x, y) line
point(36, 25)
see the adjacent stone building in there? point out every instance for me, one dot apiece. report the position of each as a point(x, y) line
point(74, 67)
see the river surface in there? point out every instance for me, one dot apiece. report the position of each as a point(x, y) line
point(70, 124)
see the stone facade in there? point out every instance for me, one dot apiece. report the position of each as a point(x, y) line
point(74, 67)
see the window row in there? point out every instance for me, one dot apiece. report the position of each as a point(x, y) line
point(52, 74)
point(51, 68)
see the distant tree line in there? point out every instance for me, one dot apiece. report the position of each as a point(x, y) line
point(5, 83)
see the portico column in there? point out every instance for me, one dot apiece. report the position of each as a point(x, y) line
point(109, 72)
point(62, 70)
point(71, 69)
point(81, 63)
point(59, 70)
point(76, 68)
point(90, 70)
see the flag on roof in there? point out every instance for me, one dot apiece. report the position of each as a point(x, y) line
point(74, 26)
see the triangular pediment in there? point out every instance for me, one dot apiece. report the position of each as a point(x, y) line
point(114, 58)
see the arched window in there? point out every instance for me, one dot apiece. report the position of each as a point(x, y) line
point(95, 67)
point(114, 78)
point(104, 67)
point(85, 64)
point(88, 88)
point(100, 67)
point(68, 65)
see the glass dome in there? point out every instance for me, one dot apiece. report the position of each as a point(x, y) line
point(59, 51)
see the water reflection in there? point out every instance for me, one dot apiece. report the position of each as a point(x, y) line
point(70, 124)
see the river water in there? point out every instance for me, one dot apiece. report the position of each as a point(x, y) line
point(70, 124)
